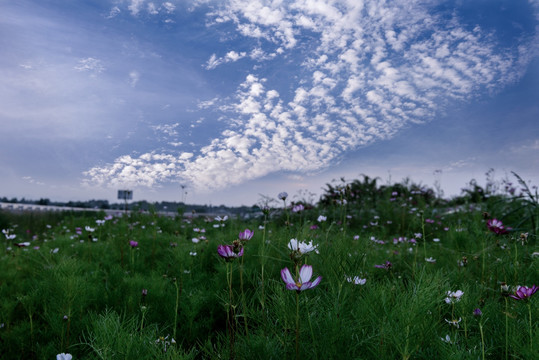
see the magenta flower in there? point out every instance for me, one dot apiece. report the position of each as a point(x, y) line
point(227, 252)
point(496, 226)
point(386, 266)
point(304, 280)
point(524, 293)
point(246, 235)
point(133, 243)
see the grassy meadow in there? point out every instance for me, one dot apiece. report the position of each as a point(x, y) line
point(404, 275)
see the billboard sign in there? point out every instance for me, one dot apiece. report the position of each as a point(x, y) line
point(125, 194)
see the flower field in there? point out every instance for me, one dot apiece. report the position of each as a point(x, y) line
point(367, 272)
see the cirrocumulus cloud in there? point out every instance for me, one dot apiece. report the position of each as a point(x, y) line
point(363, 71)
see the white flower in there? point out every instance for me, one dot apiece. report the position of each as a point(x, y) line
point(447, 339)
point(356, 237)
point(302, 247)
point(322, 218)
point(430, 260)
point(436, 240)
point(100, 222)
point(89, 229)
point(454, 322)
point(64, 356)
point(453, 297)
point(55, 250)
point(195, 240)
point(356, 280)
point(193, 253)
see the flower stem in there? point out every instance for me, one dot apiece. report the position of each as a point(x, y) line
point(297, 325)
point(176, 308)
point(531, 330)
point(229, 312)
point(424, 236)
point(243, 298)
point(506, 331)
point(262, 300)
point(482, 341)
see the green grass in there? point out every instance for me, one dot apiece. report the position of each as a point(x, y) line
point(86, 299)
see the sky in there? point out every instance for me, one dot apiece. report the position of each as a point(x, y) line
point(224, 102)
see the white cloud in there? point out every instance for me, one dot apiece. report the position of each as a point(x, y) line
point(113, 12)
point(169, 7)
point(135, 6)
point(231, 56)
point(367, 70)
point(134, 77)
point(152, 9)
point(91, 65)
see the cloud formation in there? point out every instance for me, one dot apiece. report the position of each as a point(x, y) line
point(363, 71)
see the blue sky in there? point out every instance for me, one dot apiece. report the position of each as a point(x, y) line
point(234, 99)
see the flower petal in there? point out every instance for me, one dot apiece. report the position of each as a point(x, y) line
point(305, 273)
point(316, 281)
point(292, 286)
point(287, 277)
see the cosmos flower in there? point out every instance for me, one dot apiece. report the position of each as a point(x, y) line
point(430, 260)
point(447, 339)
point(477, 312)
point(386, 266)
point(89, 229)
point(356, 280)
point(322, 218)
point(64, 356)
point(133, 243)
point(282, 195)
point(453, 297)
point(524, 292)
point(496, 226)
point(246, 235)
point(454, 322)
point(298, 208)
point(303, 282)
point(227, 252)
point(302, 247)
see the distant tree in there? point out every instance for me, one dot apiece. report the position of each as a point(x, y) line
point(43, 201)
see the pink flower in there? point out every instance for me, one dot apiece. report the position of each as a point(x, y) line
point(303, 282)
point(133, 243)
point(386, 266)
point(246, 235)
point(524, 293)
point(227, 252)
point(496, 226)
